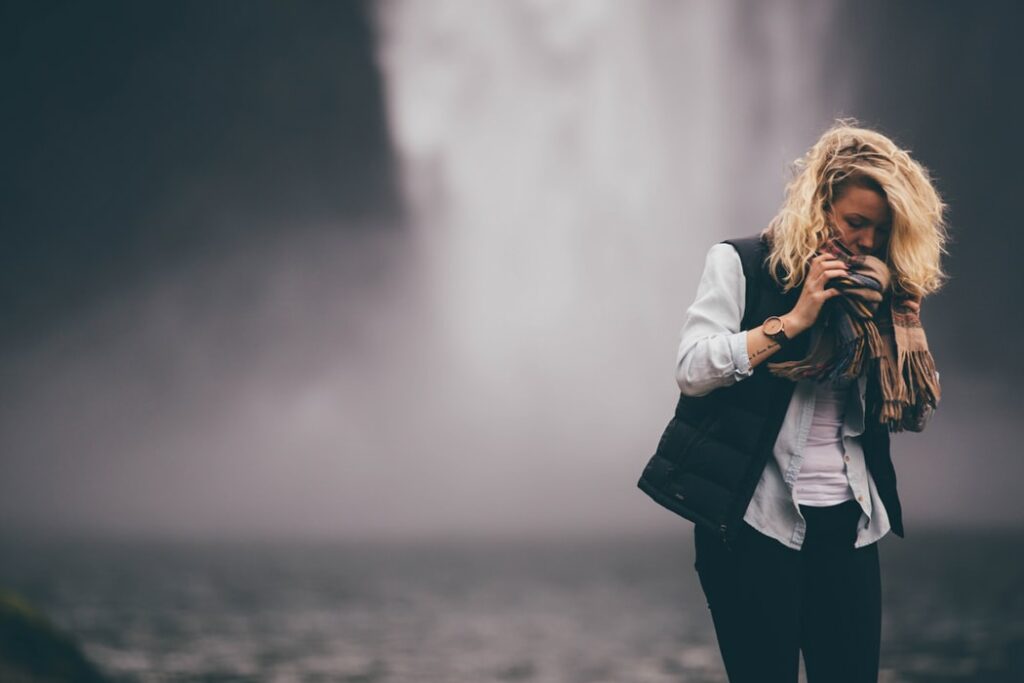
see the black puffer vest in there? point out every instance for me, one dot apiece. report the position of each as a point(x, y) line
point(711, 455)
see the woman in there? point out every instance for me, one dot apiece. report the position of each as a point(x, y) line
point(802, 351)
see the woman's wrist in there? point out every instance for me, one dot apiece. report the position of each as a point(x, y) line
point(794, 325)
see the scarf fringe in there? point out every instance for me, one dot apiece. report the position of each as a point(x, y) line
point(875, 343)
point(918, 371)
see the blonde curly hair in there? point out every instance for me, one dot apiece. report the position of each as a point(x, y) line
point(849, 155)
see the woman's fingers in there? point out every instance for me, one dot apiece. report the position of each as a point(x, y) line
point(827, 264)
point(819, 280)
point(823, 268)
point(915, 306)
point(833, 263)
point(825, 257)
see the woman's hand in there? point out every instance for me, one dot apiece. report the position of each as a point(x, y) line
point(914, 306)
point(824, 267)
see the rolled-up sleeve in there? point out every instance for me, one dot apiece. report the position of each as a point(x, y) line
point(712, 349)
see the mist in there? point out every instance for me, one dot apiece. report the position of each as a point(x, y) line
point(485, 346)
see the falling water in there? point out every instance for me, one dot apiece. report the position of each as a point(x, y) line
point(568, 164)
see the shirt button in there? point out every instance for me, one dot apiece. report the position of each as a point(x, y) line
point(846, 458)
point(860, 498)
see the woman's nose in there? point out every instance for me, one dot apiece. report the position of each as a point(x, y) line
point(866, 239)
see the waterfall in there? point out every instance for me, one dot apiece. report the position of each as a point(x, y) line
point(567, 165)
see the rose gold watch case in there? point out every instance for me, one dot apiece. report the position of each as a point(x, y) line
point(773, 325)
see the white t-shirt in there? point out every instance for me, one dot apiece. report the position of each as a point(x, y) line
point(822, 479)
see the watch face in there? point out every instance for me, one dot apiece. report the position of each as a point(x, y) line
point(772, 326)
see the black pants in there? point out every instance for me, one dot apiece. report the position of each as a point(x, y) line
point(768, 602)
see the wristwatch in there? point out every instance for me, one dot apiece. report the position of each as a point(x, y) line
point(775, 329)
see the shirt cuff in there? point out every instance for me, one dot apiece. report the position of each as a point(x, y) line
point(740, 359)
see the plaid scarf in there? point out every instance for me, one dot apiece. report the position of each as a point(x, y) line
point(868, 329)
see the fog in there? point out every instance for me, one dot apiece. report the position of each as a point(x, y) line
point(491, 351)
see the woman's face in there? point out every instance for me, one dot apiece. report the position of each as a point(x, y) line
point(863, 220)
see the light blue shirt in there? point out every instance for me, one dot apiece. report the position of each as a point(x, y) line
point(713, 354)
